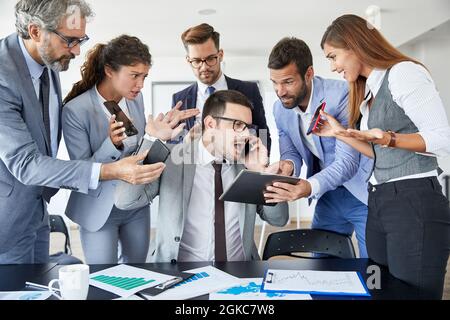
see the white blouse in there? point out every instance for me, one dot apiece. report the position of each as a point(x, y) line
point(414, 91)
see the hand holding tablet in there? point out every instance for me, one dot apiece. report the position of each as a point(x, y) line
point(250, 186)
point(285, 192)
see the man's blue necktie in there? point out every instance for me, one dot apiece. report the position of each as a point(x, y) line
point(211, 90)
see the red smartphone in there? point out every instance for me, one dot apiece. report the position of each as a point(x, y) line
point(316, 118)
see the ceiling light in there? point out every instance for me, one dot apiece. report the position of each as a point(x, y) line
point(207, 12)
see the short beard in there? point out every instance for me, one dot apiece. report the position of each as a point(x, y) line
point(299, 98)
point(55, 64)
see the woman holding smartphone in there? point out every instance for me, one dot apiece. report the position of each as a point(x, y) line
point(397, 118)
point(115, 71)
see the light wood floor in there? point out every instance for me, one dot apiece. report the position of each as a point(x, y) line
point(56, 244)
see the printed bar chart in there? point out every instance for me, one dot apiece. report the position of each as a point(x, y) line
point(122, 283)
point(194, 278)
point(124, 280)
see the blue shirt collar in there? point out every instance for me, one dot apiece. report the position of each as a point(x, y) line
point(35, 68)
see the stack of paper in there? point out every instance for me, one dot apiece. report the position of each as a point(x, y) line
point(125, 281)
point(25, 295)
point(251, 290)
point(314, 282)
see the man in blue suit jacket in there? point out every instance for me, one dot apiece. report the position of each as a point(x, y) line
point(337, 174)
point(204, 55)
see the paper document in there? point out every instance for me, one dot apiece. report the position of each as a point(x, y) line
point(206, 280)
point(314, 282)
point(251, 290)
point(25, 295)
point(125, 281)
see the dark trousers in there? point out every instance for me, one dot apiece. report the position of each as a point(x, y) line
point(408, 230)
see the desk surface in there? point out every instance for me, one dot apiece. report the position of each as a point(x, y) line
point(12, 278)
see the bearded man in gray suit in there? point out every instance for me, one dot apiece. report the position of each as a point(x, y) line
point(49, 35)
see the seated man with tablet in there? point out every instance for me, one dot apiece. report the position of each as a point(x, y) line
point(193, 223)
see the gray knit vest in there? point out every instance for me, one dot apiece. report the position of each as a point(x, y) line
point(392, 163)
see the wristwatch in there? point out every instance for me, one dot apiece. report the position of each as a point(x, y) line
point(392, 140)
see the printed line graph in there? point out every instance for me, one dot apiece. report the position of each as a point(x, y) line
point(305, 280)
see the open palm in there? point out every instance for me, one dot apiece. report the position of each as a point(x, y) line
point(167, 127)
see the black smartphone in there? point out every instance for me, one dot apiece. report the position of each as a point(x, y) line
point(113, 108)
point(158, 153)
point(316, 118)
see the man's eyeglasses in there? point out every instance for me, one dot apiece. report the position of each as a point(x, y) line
point(210, 61)
point(240, 126)
point(71, 41)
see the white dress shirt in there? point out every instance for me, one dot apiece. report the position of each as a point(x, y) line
point(414, 91)
point(197, 242)
point(305, 119)
point(36, 70)
point(203, 93)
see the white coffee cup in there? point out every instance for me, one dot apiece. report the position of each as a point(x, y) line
point(73, 282)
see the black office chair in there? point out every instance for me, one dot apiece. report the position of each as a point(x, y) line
point(65, 257)
point(325, 244)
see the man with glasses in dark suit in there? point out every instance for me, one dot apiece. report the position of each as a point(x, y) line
point(202, 44)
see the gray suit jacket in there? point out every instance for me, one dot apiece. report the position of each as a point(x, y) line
point(86, 134)
point(174, 189)
point(25, 167)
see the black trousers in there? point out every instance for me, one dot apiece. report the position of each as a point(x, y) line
point(408, 230)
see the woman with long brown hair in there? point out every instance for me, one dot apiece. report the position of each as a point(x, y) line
point(115, 71)
point(397, 118)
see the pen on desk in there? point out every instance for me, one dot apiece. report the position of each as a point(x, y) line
point(38, 286)
point(170, 282)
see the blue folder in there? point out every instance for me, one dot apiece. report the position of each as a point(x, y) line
point(320, 293)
